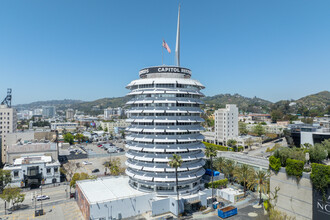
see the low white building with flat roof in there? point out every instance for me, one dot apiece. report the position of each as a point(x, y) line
point(33, 171)
point(108, 198)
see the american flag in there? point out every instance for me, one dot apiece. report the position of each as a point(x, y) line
point(166, 47)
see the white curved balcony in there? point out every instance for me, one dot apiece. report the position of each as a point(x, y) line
point(174, 81)
point(163, 157)
point(165, 177)
point(151, 167)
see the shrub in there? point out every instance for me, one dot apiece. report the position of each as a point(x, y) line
point(266, 205)
point(240, 148)
point(217, 147)
point(294, 167)
point(320, 177)
point(292, 153)
point(217, 184)
point(275, 163)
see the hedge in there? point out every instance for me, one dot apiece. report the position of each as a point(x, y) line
point(294, 167)
point(275, 163)
point(217, 147)
point(320, 177)
point(217, 184)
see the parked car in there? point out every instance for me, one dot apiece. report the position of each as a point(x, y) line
point(72, 195)
point(95, 171)
point(42, 197)
point(86, 163)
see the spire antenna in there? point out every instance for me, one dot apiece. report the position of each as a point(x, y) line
point(177, 46)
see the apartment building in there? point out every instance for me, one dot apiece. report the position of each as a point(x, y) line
point(226, 124)
point(8, 124)
point(69, 114)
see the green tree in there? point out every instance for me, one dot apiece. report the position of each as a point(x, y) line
point(68, 138)
point(79, 137)
point(259, 130)
point(318, 153)
point(228, 169)
point(259, 179)
point(276, 115)
point(249, 142)
point(79, 176)
point(326, 145)
point(231, 142)
point(211, 152)
point(219, 163)
point(5, 178)
point(12, 194)
point(176, 162)
point(114, 166)
point(106, 129)
point(242, 128)
point(243, 174)
point(122, 134)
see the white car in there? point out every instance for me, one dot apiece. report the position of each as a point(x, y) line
point(42, 197)
point(87, 163)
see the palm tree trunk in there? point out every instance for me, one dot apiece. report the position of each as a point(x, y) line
point(177, 188)
point(259, 196)
point(244, 189)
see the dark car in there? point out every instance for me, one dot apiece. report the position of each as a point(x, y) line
point(72, 195)
point(95, 171)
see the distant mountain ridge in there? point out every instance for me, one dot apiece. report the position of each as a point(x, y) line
point(39, 104)
point(319, 100)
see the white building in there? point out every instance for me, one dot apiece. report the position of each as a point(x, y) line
point(226, 124)
point(112, 112)
point(8, 124)
point(33, 171)
point(69, 114)
point(165, 120)
point(110, 126)
point(48, 111)
point(70, 126)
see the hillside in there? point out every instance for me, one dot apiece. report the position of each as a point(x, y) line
point(315, 104)
point(312, 105)
point(58, 103)
point(321, 99)
point(100, 104)
point(244, 104)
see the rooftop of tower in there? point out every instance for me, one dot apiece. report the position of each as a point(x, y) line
point(184, 72)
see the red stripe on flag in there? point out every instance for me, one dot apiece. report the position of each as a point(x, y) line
point(166, 47)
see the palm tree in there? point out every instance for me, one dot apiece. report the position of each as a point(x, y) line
point(249, 142)
point(259, 179)
point(211, 152)
point(219, 163)
point(176, 162)
point(229, 168)
point(243, 174)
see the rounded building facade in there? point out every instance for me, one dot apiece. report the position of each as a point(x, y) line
point(165, 119)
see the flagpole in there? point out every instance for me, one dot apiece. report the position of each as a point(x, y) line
point(162, 53)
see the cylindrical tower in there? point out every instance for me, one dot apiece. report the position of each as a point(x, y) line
point(165, 120)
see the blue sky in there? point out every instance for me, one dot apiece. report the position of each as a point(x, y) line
point(92, 49)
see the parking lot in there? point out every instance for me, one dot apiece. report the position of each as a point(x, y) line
point(97, 156)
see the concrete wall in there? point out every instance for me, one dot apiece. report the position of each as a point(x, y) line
point(160, 206)
point(294, 198)
point(122, 208)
